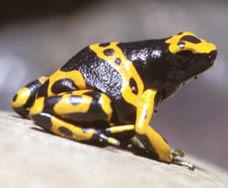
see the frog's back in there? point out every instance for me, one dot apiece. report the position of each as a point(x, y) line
point(97, 73)
point(122, 71)
point(102, 66)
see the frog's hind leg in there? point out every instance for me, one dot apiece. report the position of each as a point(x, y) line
point(65, 115)
point(25, 97)
point(71, 131)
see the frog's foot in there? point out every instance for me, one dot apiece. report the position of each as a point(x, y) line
point(183, 163)
point(136, 146)
point(137, 143)
point(103, 138)
point(104, 134)
point(178, 153)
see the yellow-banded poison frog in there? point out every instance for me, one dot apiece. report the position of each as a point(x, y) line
point(108, 89)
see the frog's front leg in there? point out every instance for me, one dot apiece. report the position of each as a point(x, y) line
point(152, 140)
point(73, 115)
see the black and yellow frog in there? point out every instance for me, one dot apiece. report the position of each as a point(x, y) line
point(110, 89)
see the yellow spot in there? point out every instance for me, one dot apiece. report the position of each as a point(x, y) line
point(42, 79)
point(126, 69)
point(105, 103)
point(80, 92)
point(37, 106)
point(22, 97)
point(74, 75)
point(65, 107)
point(113, 141)
point(77, 132)
point(145, 110)
point(121, 128)
point(202, 47)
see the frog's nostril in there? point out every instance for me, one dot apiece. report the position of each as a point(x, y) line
point(213, 55)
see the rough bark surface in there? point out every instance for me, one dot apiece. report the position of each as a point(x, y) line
point(32, 158)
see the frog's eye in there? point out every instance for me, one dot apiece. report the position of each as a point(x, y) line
point(181, 45)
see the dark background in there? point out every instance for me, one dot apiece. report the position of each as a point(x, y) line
point(36, 37)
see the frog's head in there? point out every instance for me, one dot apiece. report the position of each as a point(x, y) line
point(191, 55)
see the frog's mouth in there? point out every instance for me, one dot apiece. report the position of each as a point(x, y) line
point(198, 64)
point(189, 80)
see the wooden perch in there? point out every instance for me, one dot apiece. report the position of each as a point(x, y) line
point(33, 158)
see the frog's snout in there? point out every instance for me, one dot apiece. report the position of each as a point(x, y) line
point(212, 56)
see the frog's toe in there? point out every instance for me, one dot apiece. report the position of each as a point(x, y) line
point(183, 163)
point(176, 160)
point(109, 140)
point(177, 153)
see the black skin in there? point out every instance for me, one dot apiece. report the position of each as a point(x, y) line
point(158, 68)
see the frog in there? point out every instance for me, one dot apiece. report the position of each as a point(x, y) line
point(108, 92)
